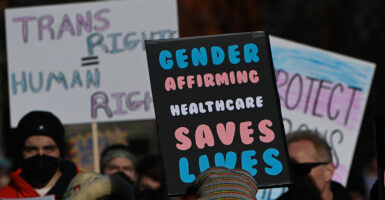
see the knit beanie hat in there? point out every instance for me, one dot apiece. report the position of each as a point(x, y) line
point(41, 123)
point(116, 151)
point(223, 183)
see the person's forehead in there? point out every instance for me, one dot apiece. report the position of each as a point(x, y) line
point(121, 161)
point(38, 140)
point(302, 151)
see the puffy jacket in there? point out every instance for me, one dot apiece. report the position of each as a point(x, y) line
point(19, 188)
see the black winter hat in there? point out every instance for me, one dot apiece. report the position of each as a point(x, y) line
point(41, 123)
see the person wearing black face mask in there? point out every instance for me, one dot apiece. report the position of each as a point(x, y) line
point(42, 170)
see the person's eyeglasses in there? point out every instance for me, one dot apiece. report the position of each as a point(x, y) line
point(305, 168)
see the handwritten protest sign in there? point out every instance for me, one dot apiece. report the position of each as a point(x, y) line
point(85, 62)
point(216, 104)
point(81, 148)
point(323, 91)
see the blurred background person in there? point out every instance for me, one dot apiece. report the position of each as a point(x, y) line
point(313, 169)
point(151, 179)
point(118, 158)
point(42, 169)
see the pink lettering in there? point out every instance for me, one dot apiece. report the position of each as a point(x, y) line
point(169, 84)
point(226, 134)
point(253, 76)
point(48, 26)
point(24, 21)
point(180, 135)
point(66, 25)
point(204, 136)
point(190, 81)
point(267, 134)
point(105, 22)
point(81, 22)
point(209, 80)
point(181, 82)
point(246, 132)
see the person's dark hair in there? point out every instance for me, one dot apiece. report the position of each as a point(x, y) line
point(152, 166)
point(116, 151)
point(321, 146)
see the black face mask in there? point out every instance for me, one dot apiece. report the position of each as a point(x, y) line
point(39, 169)
point(124, 177)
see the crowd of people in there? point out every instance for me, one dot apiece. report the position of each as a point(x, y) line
point(43, 170)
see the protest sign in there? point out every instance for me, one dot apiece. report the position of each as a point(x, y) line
point(137, 135)
point(84, 62)
point(323, 91)
point(216, 104)
point(81, 148)
point(49, 197)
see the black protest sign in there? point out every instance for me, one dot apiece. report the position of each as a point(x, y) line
point(216, 104)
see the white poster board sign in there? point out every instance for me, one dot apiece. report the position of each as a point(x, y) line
point(85, 62)
point(50, 197)
point(323, 91)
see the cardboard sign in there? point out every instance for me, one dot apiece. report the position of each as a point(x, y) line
point(85, 62)
point(216, 104)
point(323, 91)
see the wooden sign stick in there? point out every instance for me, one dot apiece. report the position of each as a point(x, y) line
point(95, 146)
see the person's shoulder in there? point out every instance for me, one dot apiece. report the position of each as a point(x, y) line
point(67, 166)
point(8, 192)
point(339, 191)
point(18, 187)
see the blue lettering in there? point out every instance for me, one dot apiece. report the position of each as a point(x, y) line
point(165, 60)
point(276, 165)
point(91, 43)
point(32, 87)
point(184, 174)
point(22, 83)
point(233, 54)
point(90, 79)
point(218, 55)
point(248, 162)
point(229, 162)
point(203, 163)
point(250, 53)
point(59, 79)
point(76, 80)
point(181, 58)
point(129, 45)
point(199, 56)
point(114, 37)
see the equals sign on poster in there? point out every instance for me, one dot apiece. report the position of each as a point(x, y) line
point(91, 60)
